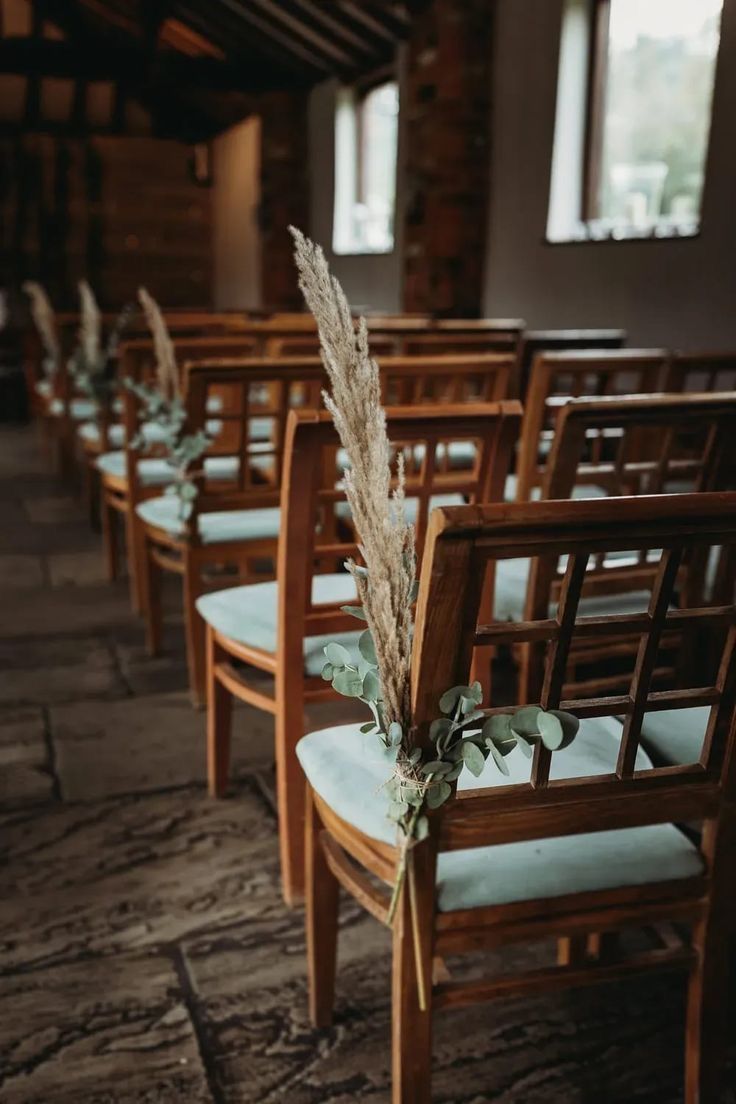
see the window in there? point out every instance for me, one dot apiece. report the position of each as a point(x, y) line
point(639, 118)
point(366, 143)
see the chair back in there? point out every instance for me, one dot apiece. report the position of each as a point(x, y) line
point(701, 372)
point(316, 531)
point(557, 377)
point(533, 342)
point(464, 542)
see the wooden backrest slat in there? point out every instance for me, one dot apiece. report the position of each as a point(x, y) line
point(463, 540)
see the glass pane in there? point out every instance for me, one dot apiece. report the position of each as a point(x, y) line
point(660, 69)
point(379, 140)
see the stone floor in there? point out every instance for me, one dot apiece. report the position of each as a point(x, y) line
point(145, 954)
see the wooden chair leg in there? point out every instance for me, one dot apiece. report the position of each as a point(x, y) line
point(135, 537)
point(109, 538)
point(412, 1025)
point(196, 634)
point(151, 601)
point(706, 1016)
point(219, 723)
point(323, 898)
point(290, 792)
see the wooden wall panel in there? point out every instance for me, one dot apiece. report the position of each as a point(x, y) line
point(120, 211)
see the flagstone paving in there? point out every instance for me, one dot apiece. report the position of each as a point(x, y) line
point(145, 953)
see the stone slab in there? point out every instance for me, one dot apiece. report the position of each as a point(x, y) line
point(58, 669)
point(142, 744)
point(25, 773)
point(105, 1031)
point(133, 873)
point(21, 571)
point(53, 509)
point(77, 568)
point(62, 611)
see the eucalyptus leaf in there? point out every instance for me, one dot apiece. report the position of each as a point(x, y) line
point(524, 721)
point(327, 672)
point(398, 809)
point(524, 744)
point(414, 756)
point(354, 611)
point(348, 683)
point(498, 728)
point(450, 698)
point(421, 829)
point(550, 731)
point(473, 757)
point(371, 686)
point(337, 655)
point(366, 647)
point(570, 726)
point(498, 758)
point(436, 767)
point(368, 727)
point(438, 794)
point(395, 733)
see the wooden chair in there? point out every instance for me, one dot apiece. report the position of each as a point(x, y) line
point(281, 627)
point(701, 372)
point(556, 378)
point(502, 863)
point(533, 342)
point(645, 445)
point(106, 447)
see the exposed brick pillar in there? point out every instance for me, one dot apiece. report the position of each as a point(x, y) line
point(284, 194)
point(448, 106)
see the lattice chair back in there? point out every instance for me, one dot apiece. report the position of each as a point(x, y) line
point(317, 534)
point(699, 372)
point(462, 544)
point(558, 377)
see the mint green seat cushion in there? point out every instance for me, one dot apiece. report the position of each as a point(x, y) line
point(342, 509)
point(79, 409)
point(153, 433)
point(676, 735)
point(221, 526)
point(248, 614)
point(155, 472)
point(348, 768)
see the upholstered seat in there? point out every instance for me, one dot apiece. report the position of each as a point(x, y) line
point(153, 433)
point(347, 769)
point(216, 527)
point(248, 615)
point(79, 409)
point(155, 471)
point(676, 735)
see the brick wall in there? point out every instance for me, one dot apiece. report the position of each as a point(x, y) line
point(447, 105)
point(284, 194)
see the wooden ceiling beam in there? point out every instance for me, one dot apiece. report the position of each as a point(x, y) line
point(381, 24)
point(336, 26)
point(250, 18)
point(282, 14)
point(62, 59)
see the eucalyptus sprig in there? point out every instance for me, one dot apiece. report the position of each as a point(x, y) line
point(96, 377)
point(182, 449)
point(466, 736)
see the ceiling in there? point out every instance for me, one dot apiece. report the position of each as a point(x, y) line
point(195, 66)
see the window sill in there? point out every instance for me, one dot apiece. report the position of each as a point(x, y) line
point(361, 251)
point(597, 231)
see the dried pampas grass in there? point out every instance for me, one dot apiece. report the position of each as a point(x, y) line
point(90, 327)
point(43, 318)
point(387, 539)
point(166, 369)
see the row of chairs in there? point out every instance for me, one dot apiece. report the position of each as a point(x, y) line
point(630, 577)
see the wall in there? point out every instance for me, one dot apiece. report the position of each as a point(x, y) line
point(119, 211)
point(680, 293)
point(235, 198)
point(371, 281)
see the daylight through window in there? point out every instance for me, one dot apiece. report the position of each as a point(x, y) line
point(651, 112)
point(366, 143)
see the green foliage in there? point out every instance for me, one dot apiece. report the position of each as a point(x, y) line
point(98, 380)
point(182, 449)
